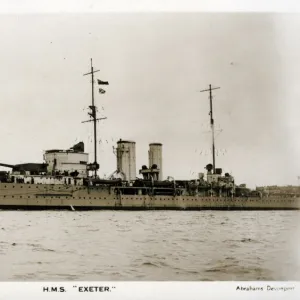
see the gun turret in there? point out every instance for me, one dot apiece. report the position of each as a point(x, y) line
point(33, 168)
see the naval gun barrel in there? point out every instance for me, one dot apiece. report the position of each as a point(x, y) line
point(7, 165)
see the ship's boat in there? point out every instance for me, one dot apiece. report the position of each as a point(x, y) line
point(66, 180)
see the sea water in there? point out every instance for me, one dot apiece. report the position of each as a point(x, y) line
point(149, 245)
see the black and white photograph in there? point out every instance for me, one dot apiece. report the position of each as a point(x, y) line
point(149, 146)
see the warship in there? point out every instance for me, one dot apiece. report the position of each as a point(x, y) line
point(66, 180)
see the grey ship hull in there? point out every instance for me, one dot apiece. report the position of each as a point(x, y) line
point(43, 196)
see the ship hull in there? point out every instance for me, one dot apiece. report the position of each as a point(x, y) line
point(50, 197)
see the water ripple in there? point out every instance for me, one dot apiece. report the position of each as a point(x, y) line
point(157, 245)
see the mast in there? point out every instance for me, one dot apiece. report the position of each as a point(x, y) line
point(93, 114)
point(212, 125)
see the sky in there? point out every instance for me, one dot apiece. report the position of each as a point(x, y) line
point(156, 64)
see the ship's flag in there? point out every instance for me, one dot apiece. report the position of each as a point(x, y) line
point(102, 82)
point(101, 91)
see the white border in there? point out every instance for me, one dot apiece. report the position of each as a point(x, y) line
point(95, 6)
point(150, 290)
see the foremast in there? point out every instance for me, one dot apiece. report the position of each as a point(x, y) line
point(93, 114)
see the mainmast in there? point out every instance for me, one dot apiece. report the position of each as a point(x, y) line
point(93, 114)
point(212, 125)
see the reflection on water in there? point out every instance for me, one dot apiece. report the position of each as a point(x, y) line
point(149, 245)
